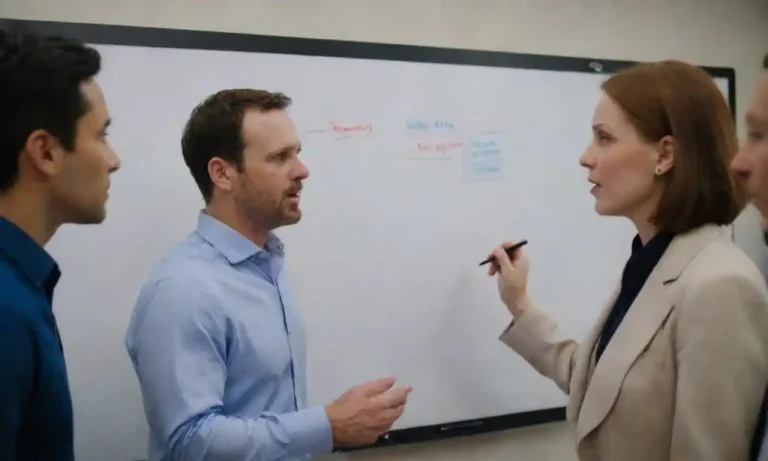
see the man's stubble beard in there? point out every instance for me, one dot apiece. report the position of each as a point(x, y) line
point(261, 211)
point(66, 212)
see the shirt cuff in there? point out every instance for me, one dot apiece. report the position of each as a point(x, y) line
point(310, 431)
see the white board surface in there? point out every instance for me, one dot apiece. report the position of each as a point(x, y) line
point(416, 172)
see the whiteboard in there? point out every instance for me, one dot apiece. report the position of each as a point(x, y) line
point(417, 170)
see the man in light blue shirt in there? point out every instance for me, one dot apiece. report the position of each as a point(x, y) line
point(751, 165)
point(216, 339)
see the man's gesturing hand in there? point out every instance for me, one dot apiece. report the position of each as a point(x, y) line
point(365, 412)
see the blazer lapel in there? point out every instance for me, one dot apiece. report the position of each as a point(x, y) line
point(646, 315)
point(638, 327)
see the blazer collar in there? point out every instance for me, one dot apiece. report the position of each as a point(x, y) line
point(647, 314)
point(684, 248)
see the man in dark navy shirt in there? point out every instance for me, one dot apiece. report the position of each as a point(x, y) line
point(55, 164)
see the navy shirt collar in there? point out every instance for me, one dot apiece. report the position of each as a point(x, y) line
point(28, 256)
point(645, 257)
point(657, 244)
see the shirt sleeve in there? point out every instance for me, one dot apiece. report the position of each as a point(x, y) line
point(540, 341)
point(17, 362)
point(177, 342)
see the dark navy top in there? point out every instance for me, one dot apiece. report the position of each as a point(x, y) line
point(639, 267)
point(35, 405)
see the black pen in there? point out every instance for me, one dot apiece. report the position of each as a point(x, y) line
point(509, 251)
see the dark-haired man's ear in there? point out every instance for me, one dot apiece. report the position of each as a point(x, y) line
point(43, 153)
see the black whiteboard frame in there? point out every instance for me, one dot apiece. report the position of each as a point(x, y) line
point(104, 34)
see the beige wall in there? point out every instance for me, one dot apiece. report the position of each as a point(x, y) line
point(721, 33)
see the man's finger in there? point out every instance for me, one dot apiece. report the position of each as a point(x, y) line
point(389, 416)
point(394, 398)
point(377, 387)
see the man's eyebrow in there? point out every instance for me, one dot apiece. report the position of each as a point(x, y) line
point(292, 147)
point(107, 123)
point(756, 118)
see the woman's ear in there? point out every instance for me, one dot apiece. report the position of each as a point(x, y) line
point(666, 150)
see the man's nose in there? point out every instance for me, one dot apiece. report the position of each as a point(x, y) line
point(302, 172)
point(114, 162)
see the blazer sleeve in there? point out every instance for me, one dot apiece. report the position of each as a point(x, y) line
point(539, 340)
point(722, 357)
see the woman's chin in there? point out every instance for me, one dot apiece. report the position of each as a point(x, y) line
point(605, 209)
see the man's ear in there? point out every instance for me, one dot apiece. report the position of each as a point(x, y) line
point(222, 174)
point(43, 153)
point(666, 155)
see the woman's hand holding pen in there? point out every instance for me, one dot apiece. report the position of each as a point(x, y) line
point(512, 276)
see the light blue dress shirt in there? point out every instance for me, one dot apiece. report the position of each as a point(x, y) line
point(762, 455)
point(218, 346)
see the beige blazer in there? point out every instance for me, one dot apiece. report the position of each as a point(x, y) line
point(684, 375)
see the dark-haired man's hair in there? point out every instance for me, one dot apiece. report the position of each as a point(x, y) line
point(215, 129)
point(765, 62)
point(40, 78)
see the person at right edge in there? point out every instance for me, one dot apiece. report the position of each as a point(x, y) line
point(675, 366)
point(751, 166)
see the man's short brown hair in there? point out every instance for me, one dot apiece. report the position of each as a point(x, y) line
point(215, 129)
point(673, 98)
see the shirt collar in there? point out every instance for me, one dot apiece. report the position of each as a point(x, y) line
point(230, 243)
point(657, 244)
point(26, 254)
